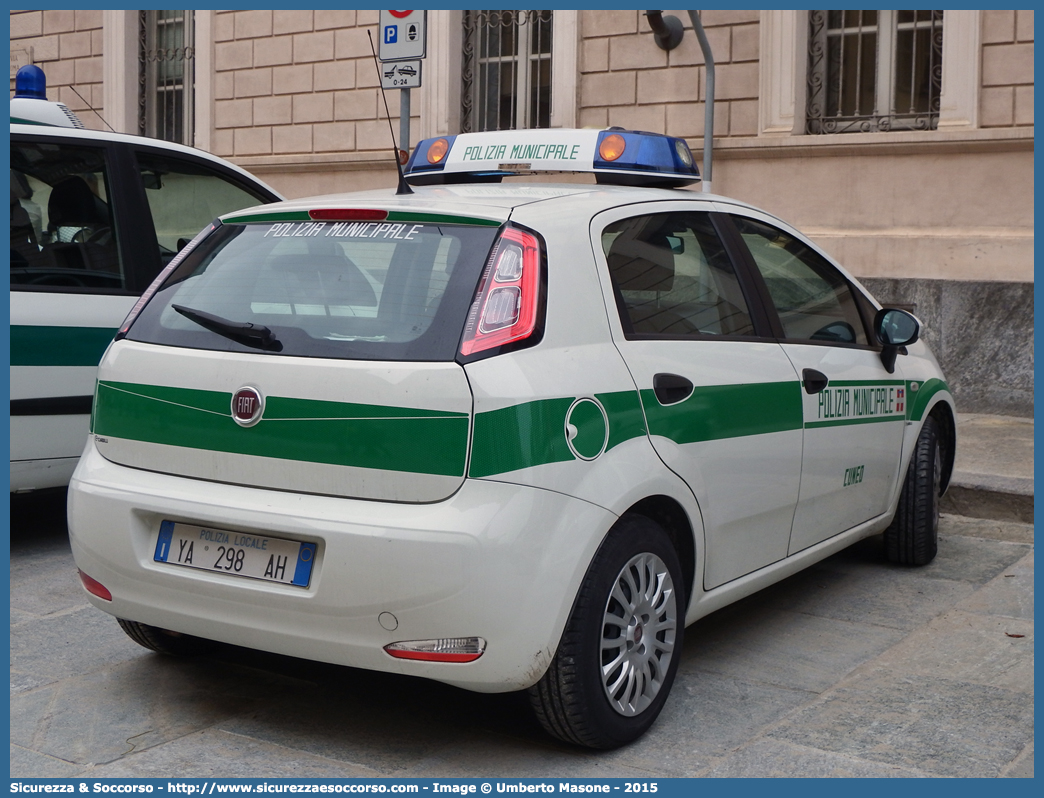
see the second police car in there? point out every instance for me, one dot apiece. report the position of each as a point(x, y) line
point(501, 436)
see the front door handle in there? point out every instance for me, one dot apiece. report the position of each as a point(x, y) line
point(671, 388)
point(814, 381)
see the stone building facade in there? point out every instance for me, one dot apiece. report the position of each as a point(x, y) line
point(939, 218)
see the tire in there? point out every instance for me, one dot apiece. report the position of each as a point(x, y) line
point(913, 536)
point(165, 642)
point(609, 681)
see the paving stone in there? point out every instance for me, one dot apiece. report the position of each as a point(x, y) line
point(1022, 767)
point(501, 757)
point(27, 764)
point(787, 649)
point(939, 726)
point(71, 644)
point(363, 725)
point(973, 560)
point(211, 753)
point(1010, 594)
point(132, 706)
point(1010, 531)
point(707, 716)
point(777, 759)
point(968, 647)
point(881, 595)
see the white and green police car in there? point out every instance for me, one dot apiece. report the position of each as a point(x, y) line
point(94, 217)
point(501, 436)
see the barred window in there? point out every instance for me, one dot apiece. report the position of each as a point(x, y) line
point(874, 70)
point(506, 70)
point(166, 75)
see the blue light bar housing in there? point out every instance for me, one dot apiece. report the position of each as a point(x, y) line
point(648, 159)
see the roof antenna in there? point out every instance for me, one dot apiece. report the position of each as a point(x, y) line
point(102, 118)
point(403, 187)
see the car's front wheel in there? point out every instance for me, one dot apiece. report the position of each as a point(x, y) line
point(618, 655)
point(913, 536)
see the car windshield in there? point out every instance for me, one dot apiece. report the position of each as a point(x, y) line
point(360, 290)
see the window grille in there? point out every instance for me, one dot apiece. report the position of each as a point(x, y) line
point(166, 75)
point(506, 70)
point(874, 70)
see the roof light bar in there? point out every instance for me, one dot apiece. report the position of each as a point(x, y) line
point(444, 649)
point(622, 157)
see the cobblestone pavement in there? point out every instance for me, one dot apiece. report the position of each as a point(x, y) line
point(852, 668)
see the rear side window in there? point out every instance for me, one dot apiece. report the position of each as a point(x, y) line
point(673, 278)
point(63, 232)
point(358, 290)
point(184, 197)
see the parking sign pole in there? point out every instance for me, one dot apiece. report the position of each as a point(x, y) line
point(404, 119)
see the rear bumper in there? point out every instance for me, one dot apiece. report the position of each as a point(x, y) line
point(495, 560)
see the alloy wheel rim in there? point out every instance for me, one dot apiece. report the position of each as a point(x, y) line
point(639, 628)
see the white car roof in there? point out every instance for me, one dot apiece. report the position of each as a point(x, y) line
point(103, 136)
point(487, 200)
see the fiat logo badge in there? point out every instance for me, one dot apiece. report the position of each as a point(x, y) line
point(247, 406)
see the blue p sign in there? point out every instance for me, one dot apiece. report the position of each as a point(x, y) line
point(391, 34)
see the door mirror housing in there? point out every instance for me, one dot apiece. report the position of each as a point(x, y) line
point(894, 329)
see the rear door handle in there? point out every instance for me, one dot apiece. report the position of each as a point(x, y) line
point(671, 388)
point(814, 381)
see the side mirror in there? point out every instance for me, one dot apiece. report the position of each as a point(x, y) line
point(894, 329)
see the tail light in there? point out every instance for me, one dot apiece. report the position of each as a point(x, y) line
point(95, 587)
point(509, 302)
point(446, 649)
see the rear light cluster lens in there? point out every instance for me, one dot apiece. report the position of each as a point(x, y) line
point(507, 305)
point(445, 649)
point(95, 587)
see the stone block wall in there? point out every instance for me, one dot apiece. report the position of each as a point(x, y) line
point(626, 80)
point(980, 332)
point(1007, 69)
point(67, 46)
point(297, 82)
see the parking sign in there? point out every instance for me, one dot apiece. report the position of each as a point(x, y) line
point(403, 35)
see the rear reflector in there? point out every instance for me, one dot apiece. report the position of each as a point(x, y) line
point(507, 304)
point(446, 649)
point(348, 215)
point(95, 587)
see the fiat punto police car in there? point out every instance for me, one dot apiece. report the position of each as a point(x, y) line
point(501, 436)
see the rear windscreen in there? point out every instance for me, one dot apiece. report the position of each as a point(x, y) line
point(359, 290)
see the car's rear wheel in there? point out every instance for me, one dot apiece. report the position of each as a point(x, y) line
point(913, 536)
point(162, 640)
point(618, 655)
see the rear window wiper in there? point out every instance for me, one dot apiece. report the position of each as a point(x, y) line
point(256, 336)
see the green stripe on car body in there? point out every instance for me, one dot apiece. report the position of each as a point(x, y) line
point(393, 216)
point(58, 346)
point(335, 433)
point(917, 401)
point(716, 412)
point(533, 433)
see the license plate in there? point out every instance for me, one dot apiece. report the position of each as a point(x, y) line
point(288, 562)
